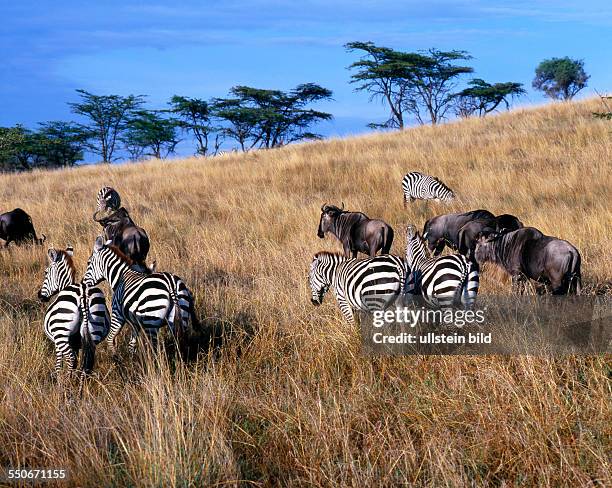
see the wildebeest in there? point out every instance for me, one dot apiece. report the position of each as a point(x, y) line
point(443, 230)
point(16, 226)
point(527, 253)
point(356, 231)
point(459, 230)
point(120, 229)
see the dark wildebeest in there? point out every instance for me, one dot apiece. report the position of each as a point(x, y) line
point(443, 230)
point(527, 253)
point(120, 229)
point(355, 231)
point(16, 226)
point(469, 233)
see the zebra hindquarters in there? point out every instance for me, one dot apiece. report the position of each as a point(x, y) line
point(470, 287)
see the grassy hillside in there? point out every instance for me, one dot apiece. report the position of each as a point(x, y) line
point(289, 397)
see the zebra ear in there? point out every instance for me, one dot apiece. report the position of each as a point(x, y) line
point(52, 254)
point(69, 250)
point(99, 244)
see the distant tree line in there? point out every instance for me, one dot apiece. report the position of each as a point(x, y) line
point(116, 125)
point(424, 86)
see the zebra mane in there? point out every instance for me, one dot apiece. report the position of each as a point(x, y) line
point(70, 264)
point(321, 254)
point(120, 254)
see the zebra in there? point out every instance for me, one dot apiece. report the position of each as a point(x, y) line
point(77, 317)
point(424, 187)
point(443, 281)
point(107, 199)
point(359, 284)
point(146, 301)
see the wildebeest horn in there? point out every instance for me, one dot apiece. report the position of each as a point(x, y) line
point(342, 206)
point(43, 238)
point(105, 213)
point(323, 207)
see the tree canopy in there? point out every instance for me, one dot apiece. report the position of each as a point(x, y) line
point(560, 78)
point(482, 98)
point(108, 116)
point(410, 83)
point(256, 117)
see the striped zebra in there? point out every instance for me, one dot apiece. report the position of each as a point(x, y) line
point(77, 317)
point(443, 281)
point(424, 187)
point(107, 199)
point(359, 284)
point(145, 301)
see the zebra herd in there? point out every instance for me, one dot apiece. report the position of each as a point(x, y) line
point(442, 281)
point(147, 300)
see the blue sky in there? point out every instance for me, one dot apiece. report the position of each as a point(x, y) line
point(201, 48)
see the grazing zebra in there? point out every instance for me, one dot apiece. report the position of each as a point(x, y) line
point(424, 187)
point(77, 317)
point(443, 281)
point(107, 199)
point(360, 284)
point(145, 301)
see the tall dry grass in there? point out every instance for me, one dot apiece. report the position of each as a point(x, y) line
point(287, 397)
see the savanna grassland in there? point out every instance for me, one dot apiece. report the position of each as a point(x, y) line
point(287, 397)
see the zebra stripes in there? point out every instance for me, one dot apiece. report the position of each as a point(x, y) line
point(359, 284)
point(77, 317)
point(443, 281)
point(107, 198)
point(145, 301)
point(424, 187)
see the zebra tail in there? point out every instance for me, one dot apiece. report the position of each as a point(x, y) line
point(89, 348)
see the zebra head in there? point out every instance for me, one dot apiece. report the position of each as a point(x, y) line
point(59, 274)
point(108, 199)
point(415, 248)
point(319, 277)
point(96, 265)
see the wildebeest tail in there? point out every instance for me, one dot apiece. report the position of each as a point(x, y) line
point(89, 348)
point(575, 278)
point(387, 239)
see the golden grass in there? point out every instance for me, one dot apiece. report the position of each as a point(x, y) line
point(289, 398)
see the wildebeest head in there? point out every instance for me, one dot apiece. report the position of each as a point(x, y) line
point(329, 213)
point(59, 273)
point(318, 281)
point(485, 247)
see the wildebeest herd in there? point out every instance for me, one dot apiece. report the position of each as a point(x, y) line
point(147, 300)
point(452, 280)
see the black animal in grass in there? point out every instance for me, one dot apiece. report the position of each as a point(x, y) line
point(356, 231)
point(16, 226)
point(460, 230)
point(120, 229)
point(529, 254)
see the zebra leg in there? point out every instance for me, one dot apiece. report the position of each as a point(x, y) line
point(59, 356)
point(133, 341)
point(72, 359)
point(117, 323)
point(346, 309)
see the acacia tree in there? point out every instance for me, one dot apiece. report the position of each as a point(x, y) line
point(55, 144)
point(435, 80)
point(196, 116)
point(560, 78)
point(64, 142)
point(482, 98)
point(149, 134)
point(419, 83)
point(387, 75)
point(108, 117)
point(261, 118)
